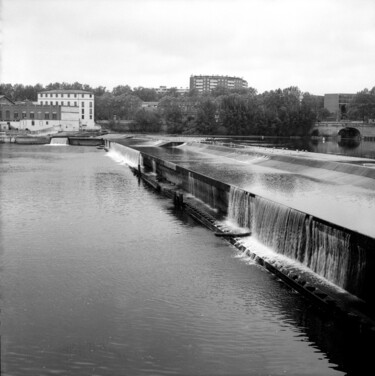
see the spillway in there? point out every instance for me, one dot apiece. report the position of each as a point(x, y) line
point(242, 187)
point(59, 141)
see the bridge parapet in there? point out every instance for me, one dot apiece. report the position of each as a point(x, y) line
point(333, 128)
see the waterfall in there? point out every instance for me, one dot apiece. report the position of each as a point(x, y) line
point(59, 141)
point(202, 190)
point(322, 247)
point(124, 154)
point(153, 166)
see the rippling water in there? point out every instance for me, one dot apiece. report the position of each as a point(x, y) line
point(101, 276)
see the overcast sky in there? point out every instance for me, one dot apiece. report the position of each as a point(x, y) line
point(321, 46)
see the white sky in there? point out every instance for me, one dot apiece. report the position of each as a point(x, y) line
point(321, 46)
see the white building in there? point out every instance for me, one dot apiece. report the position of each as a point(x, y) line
point(82, 100)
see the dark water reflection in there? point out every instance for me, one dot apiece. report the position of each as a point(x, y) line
point(101, 276)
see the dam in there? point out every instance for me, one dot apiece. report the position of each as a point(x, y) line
point(317, 210)
point(102, 275)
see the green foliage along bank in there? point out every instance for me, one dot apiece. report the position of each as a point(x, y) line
point(280, 112)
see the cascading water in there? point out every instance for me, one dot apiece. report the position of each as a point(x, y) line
point(203, 191)
point(124, 154)
point(59, 141)
point(321, 247)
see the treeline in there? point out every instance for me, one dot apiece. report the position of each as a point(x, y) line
point(362, 106)
point(281, 112)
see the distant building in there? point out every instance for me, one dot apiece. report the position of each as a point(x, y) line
point(55, 110)
point(38, 117)
point(337, 104)
point(208, 83)
point(165, 89)
point(150, 106)
point(5, 100)
point(83, 100)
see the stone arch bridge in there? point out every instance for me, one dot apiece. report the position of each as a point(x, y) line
point(344, 129)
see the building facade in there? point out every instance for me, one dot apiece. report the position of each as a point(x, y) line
point(55, 110)
point(83, 100)
point(337, 104)
point(208, 83)
point(38, 117)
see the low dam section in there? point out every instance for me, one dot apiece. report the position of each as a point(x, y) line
point(340, 256)
point(53, 140)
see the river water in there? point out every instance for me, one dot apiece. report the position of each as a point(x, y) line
point(101, 276)
point(360, 148)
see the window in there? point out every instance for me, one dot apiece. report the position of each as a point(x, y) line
point(68, 102)
point(75, 104)
point(46, 122)
point(83, 116)
point(90, 104)
point(90, 111)
point(1, 115)
point(51, 95)
point(51, 103)
point(62, 103)
point(41, 95)
point(68, 95)
point(56, 95)
point(32, 122)
point(15, 115)
point(83, 111)
point(75, 95)
point(83, 95)
point(32, 115)
point(54, 116)
point(90, 117)
point(46, 115)
point(7, 115)
point(57, 103)
point(90, 95)
point(23, 115)
point(83, 104)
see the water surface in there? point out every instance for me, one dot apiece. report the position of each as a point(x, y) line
point(101, 276)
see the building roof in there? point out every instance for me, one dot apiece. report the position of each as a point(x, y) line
point(5, 97)
point(63, 91)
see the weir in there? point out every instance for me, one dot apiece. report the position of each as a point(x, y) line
point(59, 141)
point(341, 256)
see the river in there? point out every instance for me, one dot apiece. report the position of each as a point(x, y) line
point(329, 145)
point(101, 276)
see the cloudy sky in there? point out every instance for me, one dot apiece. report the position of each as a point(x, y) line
point(321, 46)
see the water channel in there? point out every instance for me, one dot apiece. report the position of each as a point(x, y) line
point(101, 276)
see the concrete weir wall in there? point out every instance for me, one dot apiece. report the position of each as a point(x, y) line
point(343, 257)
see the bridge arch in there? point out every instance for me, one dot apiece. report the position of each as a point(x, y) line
point(349, 132)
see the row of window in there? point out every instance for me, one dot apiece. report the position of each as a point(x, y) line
point(63, 95)
point(83, 111)
point(24, 115)
point(63, 103)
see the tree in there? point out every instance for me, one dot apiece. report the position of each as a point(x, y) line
point(147, 121)
point(125, 106)
point(170, 110)
point(219, 90)
point(363, 105)
point(145, 94)
point(206, 122)
point(234, 114)
point(121, 89)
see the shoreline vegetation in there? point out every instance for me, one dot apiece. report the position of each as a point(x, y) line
point(242, 112)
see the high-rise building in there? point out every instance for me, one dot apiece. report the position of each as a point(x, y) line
point(208, 83)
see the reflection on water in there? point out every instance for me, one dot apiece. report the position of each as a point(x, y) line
point(101, 276)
